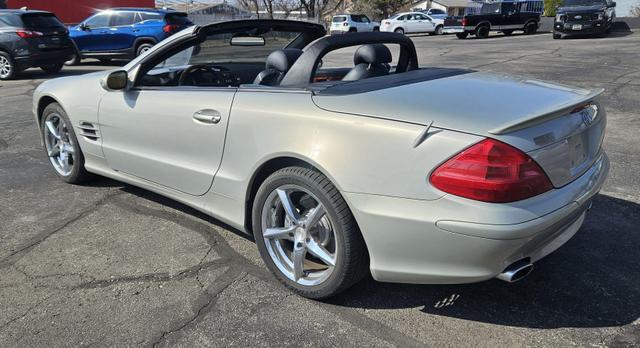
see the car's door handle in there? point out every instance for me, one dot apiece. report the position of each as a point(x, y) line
point(207, 116)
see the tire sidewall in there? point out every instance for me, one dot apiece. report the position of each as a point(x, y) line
point(78, 173)
point(399, 31)
point(14, 68)
point(336, 278)
point(141, 47)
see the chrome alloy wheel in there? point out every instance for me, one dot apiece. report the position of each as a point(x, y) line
point(5, 67)
point(299, 235)
point(58, 143)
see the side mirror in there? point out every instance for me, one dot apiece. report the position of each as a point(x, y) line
point(116, 81)
point(84, 27)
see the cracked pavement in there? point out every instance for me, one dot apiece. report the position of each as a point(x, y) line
point(109, 264)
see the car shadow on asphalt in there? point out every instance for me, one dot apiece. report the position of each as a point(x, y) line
point(592, 281)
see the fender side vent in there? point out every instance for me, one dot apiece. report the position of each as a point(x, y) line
point(89, 131)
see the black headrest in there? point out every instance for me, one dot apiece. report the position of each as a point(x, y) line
point(282, 60)
point(373, 53)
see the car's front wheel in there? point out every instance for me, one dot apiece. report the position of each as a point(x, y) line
point(438, 30)
point(7, 66)
point(462, 35)
point(61, 145)
point(531, 28)
point(399, 31)
point(142, 48)
point(306, 234)
point(482, 32)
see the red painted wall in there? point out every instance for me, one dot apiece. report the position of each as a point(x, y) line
point(74, 11)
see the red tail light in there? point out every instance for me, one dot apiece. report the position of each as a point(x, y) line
point(491, 171)
point(27, 34)
point(170, 28)
point(464, 22)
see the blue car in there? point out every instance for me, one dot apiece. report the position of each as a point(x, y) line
point(124, 33)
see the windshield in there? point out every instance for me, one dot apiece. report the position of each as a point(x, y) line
point(573, 3)
point(41, 20)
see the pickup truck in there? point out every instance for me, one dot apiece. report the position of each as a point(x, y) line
point(505, 17)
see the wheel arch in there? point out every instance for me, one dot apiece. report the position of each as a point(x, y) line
point(43, 102)
point(142, 40)
point(483, 24)
point(270, 166)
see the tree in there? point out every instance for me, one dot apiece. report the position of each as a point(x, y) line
point(635, 10)
point(550, 7)
point(320, 8)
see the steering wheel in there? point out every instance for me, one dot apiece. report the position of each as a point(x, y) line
point(187, 78)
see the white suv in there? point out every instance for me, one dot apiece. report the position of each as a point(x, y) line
point(350, 23)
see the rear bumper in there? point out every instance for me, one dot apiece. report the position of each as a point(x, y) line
point(416, 241)
point(453, 30)
point(43, 58)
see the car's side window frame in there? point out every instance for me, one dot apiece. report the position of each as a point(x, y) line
point(96, 15)
point(153, 60)
point(114, 16)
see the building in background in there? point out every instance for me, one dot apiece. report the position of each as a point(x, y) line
point(451, 7)
point(74, 11)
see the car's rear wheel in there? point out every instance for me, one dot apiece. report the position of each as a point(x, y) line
point(399, 31)
point(306, 234)
point(7, 66)
point(376, 29)
point(438, 30)
point(462, 36)
point(52, 68)
point(482, 32)
point(353, 30)
point(61, 145)
point(143, 47)
point(557, 36)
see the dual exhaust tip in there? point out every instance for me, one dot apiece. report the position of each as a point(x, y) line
point(516, 271)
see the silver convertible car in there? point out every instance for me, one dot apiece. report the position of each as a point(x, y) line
point(414, 175)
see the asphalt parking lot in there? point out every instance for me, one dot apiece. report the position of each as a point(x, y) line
point(110, 264)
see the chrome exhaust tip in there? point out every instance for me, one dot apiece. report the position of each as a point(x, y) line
point(516, 271)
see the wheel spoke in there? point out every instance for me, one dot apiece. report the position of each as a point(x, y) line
point(52, 129)
point(64, 161)
point(279, 232)
point(68, 148)
point(315, 215)
point(289, 208)
point(318, 251)
point(299, 253)
point(55, 151)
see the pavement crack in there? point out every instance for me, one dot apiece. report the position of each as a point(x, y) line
point(227, 279)
point(43, 236)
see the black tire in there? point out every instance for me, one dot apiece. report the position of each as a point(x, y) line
point(9, 69)
point(52, 68)
point(352, 260)
point(438, 30)
point(557, 36)
point(376, 29)
point(482, 32)
point(507, 32)
point(399, 31)
point(78, 174)
point(462, 35)
point(531, 28)
point(143, 47)
point(74, 60)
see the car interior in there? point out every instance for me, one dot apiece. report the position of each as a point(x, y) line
point(234, 59)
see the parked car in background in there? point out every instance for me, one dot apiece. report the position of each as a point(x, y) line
point(584, 17)
point(32, 39)
point(124, 33)
point(413, 22)
point(351, 23)
point(505, 17)
point(435, 13)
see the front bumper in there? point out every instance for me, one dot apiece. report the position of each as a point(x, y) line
point(579, 28)
point(455, 240)
point(453, 30)
point(43, 58)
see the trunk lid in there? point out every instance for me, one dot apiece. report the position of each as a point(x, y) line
point(535, 116)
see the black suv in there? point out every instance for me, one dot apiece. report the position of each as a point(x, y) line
point(584, 17)
point(32, 39)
